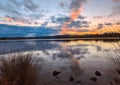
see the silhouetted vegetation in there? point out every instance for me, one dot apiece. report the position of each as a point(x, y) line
point(114, 73)
point(18, 70)
point(105, 35)
point(116, 77)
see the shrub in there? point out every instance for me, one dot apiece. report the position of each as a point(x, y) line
point(18, 70)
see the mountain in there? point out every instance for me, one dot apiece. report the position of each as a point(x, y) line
point(25, 31)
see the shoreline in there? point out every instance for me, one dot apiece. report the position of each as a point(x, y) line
point(59, 39)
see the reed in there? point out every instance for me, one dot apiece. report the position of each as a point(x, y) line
point(18, 70)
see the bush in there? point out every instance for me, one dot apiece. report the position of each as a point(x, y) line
point(18, 70)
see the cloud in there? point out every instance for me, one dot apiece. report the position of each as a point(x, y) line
point(116, 0)
point(81, 17)
point(100, 26)
point(108, 24)
point(73, 5)
point(98, 17)
point(118, 23)
point(116, 7)
point(116, 10)
point(27, 4)
point(30, 12)
point(30, 5)
point(76, 4)
point(30, 35)
point(60, 20)
point(16, 19)
point(78, 24)
point(9, 8)
point(63, 4)
point(75, 24)
point(64, 19)
point(24, 11)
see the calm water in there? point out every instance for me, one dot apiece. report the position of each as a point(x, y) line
point(77, 59)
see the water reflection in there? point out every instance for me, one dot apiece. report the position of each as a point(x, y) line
point(23, 46)
point(77, 61)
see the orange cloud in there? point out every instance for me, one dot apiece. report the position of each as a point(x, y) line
point(107, 29)
point(8, 19)
point(75, 14)
point(76, 9)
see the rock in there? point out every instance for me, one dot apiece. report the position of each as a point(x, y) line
point(116, 80)
point(71, 79)
point(110, 82)
point(78, 82)
point(97, 73)
point(118, 71)
point(93, 79)
point(55, 73)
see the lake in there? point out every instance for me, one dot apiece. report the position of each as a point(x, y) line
point(80, 62)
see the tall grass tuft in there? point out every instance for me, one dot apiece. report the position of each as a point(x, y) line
point(18, 70)
point(114, 72)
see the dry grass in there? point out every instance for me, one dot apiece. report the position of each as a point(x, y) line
point(18, 70)
point(114, 73)
point(116, 66)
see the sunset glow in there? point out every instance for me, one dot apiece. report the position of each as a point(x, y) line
point(74, 17)
point(108, 29)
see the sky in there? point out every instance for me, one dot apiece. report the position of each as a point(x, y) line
point(67, 16)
